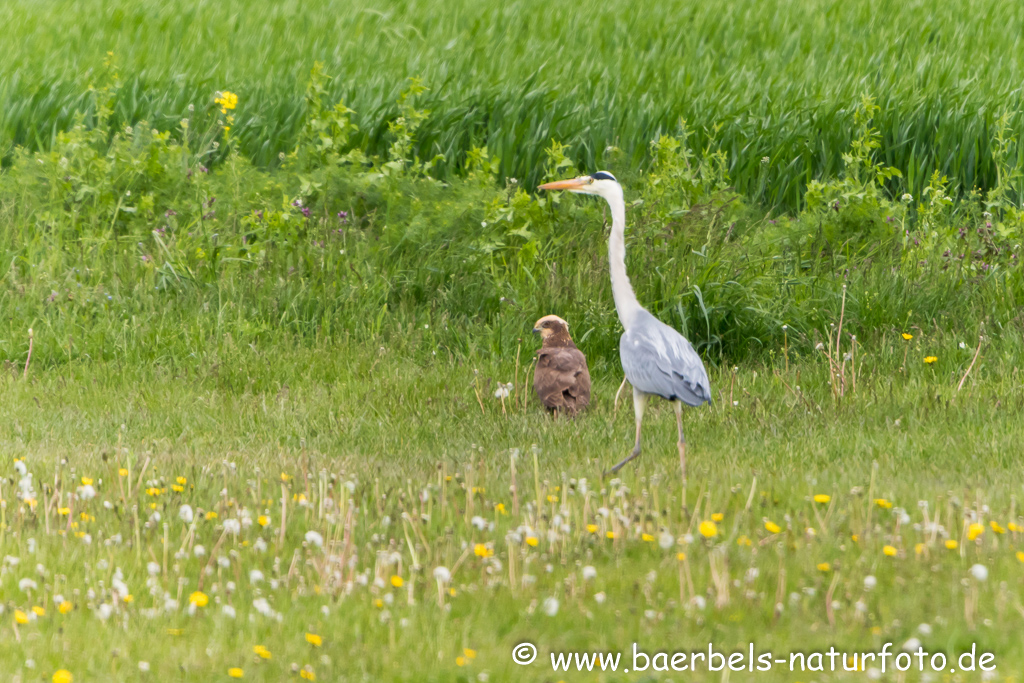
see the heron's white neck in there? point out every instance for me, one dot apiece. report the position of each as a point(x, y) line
point(626, 304)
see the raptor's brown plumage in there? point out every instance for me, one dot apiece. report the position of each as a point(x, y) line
point(561, 378)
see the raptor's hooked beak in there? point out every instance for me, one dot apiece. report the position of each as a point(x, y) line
point(573, 185)
point(536, 330)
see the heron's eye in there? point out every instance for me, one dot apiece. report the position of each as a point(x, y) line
point(590, 181)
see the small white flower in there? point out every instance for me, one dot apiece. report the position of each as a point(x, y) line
point(228, 611)
point(314, 538)
point(104, 611)
point(20, 468)
point(600, 598)
point(979, 572)
point(666, 540)
point(907, 198)
point(143, 667)
point(223, 562)
point(503, 390)
point(874, 674)
point(699, 602)
point(86, 492)
point(232, 526)
point(442, 574)
point(924, 629)
point(199, 551)
point(260, 545)
point(870, 582)
point(255, 576)
point(589, 573)
point(153, 568)
point(551, 606)
point(479, 522)
point(912, 645)
point(185, 514)
point(26, 585)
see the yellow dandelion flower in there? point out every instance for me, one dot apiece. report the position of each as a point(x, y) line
point(708, 529)
point(855, 538)
point(307, 674)
point(919, 549)
point(177, 489)
point(378, 603)
point(211, 515)
point(1012, 527)
point(717, 517)
point(531, 541)
point(469, 653)
point(680, 556)
point(451, 592)
point(500, 509)
point(175, 631)
point(610, 534)
point(65, 607)
point(646, 538)
point(908, 337)
point(822, 498)
point(744, 540)
point(883, 503)
point(20, 617)
point(592, 528)
point(262, 652)
point(397, 581)
point(889, 551)
point(123, 472)
point(182, 481)
point(263, 520)
point(285, 477)
point(1020, 555)
point(460, 661)
point(235, 672)
point(226, 100)
point(86, 481)
point(64, 511)
point(772, 527)
point(996, 528)
point(40, 611)
point(975, 530)
point(930, 359)
point(128, 598)
point(314, 640)
point(62, 676)
point(824, 567)
point(199, 599)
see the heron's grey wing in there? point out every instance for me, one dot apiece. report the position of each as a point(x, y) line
point(659, 360)
point(561, 379)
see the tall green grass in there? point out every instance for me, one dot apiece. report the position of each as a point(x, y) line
point(762, 79)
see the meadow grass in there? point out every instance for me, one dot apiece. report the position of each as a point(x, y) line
point(402, 467)
point(755, 79)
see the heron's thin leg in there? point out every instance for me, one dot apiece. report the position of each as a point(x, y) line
point(615, 408)
point(639, 403)
point(682, 439)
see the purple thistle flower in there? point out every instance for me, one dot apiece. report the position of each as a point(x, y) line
point(305, 211)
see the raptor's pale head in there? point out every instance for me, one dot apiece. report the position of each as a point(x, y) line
point(551, 325)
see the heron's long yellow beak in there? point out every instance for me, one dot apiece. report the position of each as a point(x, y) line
point(571, 184)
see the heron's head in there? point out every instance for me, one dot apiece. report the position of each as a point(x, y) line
point(601, 183)
point(551, 325)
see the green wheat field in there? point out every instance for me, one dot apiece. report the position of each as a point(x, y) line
point(268, 273)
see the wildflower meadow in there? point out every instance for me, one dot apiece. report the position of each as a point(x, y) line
point(267, 281)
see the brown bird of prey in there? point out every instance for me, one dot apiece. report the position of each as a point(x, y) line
point(561, 378)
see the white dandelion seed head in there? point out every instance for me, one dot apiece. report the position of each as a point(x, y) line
point(315, 538)
point(551, 606)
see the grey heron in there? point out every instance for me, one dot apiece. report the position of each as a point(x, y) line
point(656, 359)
